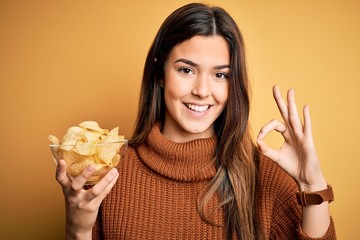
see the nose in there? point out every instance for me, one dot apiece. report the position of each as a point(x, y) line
point(201, 87)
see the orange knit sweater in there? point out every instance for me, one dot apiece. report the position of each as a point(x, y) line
point(156, 195)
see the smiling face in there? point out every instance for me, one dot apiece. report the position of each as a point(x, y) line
point(195, 87)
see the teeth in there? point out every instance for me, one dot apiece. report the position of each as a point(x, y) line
point(197, 108)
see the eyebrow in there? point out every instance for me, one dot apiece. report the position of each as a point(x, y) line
point(191, 63)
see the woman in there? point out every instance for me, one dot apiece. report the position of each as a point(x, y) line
point(192, 170)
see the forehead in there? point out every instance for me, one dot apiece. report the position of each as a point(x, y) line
point(203, 49)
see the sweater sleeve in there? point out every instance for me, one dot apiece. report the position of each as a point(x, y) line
point(330, 234)
point(287, 223)
point(281, 214)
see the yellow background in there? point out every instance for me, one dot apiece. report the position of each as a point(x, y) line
point(63, 62)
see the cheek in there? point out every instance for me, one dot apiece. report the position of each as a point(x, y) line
point(172, 95)
point(171, 92)
point(221, 93)
point(175, 88)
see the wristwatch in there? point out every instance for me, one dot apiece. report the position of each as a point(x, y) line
point(315, 198)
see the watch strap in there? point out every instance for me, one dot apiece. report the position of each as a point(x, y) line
point(315, 198)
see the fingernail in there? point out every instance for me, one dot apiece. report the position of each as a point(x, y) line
point(61, 163)
point(90, 168)
point(113, 172)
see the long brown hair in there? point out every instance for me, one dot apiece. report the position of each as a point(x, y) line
point(234, 157)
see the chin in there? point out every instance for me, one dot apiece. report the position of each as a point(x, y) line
point(201, 131)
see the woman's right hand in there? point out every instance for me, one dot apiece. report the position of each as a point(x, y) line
point(82, 205)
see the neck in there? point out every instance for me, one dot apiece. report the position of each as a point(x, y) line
point(180, 134)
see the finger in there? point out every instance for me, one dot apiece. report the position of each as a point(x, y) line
point(268, 151)
point(281, 104)
point(104, 186)
point(107, 190)
point(271, 126)
point(79, 182)
point(294, 118)
point(307, 122)
point(61, 176)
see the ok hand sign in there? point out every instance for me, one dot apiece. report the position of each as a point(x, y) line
point(297, 156)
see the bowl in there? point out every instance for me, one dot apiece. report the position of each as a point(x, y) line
point(102, 156)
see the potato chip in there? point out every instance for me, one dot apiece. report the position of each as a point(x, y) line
point(115, 161)
point(71, 136)
point(106, 152)
point(92, 125)
point(89, 144)
point(84, 148)
point(76, 168)
point(69, 156)
point(113, 136)
point(93, 136)
point(54, 140)
point(100, 173)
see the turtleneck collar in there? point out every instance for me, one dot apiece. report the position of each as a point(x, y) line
point(190, 161)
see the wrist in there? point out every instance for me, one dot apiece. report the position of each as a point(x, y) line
point(315, 198)
point(313, 186)
point(77, 235)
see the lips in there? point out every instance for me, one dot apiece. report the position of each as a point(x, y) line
point(197, 108)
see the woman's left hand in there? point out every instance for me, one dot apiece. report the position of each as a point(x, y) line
point(297, 156)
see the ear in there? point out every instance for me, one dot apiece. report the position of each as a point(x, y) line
point(161, 83)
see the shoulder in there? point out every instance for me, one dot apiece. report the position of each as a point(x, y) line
point(130, 156)
point(276, 201)
point(270, 173)
point(274, 184)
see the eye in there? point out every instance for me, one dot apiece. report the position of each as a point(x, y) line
point(185, 70)
point(221, 75)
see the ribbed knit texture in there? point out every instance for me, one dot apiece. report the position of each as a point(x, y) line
point(156, 195)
